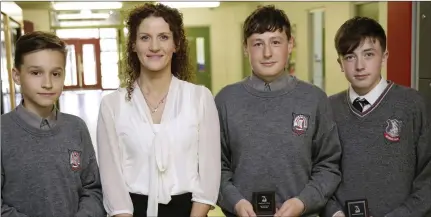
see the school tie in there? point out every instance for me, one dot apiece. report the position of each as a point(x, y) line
point(44, 125)
point(267, 87)
point(359, 104)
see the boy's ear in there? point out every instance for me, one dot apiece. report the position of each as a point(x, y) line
point(385, 56)
point(16, 76)
point(244, 48)
point(339, 63)
point(291, 43)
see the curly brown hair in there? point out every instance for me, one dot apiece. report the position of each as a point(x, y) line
point(180, 65)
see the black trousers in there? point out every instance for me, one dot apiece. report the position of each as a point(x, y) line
point(179, 206)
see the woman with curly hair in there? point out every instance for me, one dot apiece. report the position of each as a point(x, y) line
point(158, 138)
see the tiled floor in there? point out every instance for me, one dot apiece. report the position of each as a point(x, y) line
point(85, 104)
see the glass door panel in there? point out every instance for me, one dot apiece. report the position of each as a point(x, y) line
point(96, 57)
point(71, 77)
point(83, 64)
point(89, 64)
point(91, 74)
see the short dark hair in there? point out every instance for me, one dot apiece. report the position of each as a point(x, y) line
point(266, 19)
point(37, 41)
point(354, 31)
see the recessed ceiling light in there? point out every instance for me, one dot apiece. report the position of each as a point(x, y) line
point(86, 5)
point(191, 4)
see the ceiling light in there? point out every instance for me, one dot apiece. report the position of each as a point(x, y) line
point(85, 12)
point(82, 16)
point(86, 5)
point(12, 10)
point(79, 23)
point(191, 4)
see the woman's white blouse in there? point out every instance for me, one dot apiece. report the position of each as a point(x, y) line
point(179, 155)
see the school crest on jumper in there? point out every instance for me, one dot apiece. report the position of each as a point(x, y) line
point(75, 160)
point(300, 123)
point(393, 130)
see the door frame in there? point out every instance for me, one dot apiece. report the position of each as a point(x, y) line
point(316, 39)
point(79, 63)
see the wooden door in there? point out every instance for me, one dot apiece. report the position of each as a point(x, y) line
point(83, 64)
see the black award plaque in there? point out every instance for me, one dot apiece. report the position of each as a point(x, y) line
point(357, 208)
point(264, 203)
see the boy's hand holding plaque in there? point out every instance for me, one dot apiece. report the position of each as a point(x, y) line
point(357, 208)
point(264, 203)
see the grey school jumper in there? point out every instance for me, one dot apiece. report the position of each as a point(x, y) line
point(48, 173)
point(283, 140)
point(386, 154)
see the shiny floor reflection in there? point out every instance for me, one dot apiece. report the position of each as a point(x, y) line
point(84, 104)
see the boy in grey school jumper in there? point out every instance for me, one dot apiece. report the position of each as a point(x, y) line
point(48, 164)
point(278, 133)
point(384, 130)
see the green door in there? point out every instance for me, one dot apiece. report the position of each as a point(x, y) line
point(200, 55)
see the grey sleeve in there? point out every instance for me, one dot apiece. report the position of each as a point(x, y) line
point(91, 201)
point(418, 204)
point(332, 207)
point(229, 194)
point(7, 211)
point(326, 154)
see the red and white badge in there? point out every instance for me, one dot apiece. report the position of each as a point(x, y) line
point(300, 123)
point(393, 130)
point(75, 160)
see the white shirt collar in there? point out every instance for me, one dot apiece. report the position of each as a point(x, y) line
point(371, 96)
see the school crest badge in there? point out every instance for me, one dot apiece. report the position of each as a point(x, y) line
point(75, 160)
point(393, 130)
point(300, 123)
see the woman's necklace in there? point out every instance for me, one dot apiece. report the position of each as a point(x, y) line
point(154, 110)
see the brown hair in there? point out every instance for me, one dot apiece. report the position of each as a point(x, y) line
point(353, 33)
point(37, 41)
point(180, 65)
point(266, 19)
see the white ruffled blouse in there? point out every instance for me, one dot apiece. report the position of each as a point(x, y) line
point(179, 155)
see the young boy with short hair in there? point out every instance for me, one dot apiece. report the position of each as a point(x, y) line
point(48, 163)
point(280, 146)
point(384, 130)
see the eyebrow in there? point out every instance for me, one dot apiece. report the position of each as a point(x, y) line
point(144, 33)
point(38, 67)
point(369, 49)
point(365, 50)
point(272, 38)
point(277, 37)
